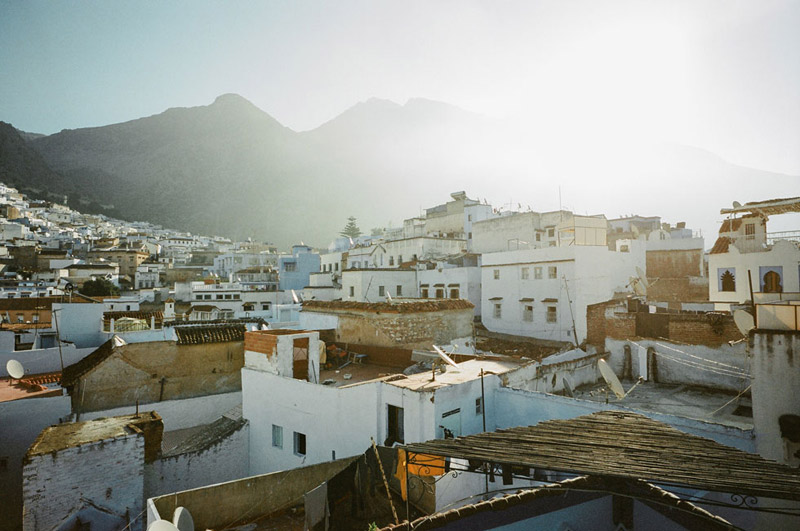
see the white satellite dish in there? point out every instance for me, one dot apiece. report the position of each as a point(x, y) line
point(162, 525)
point(737, 204)
point(445, 357)
point(568, 387)
point(744, 321)
point(183, 520)
point(388, 297)
point(15, 369)
point(642, 275)
point(639, 288)
point(295, 298)
point(611, 379)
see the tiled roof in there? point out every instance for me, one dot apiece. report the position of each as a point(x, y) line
point(197, 335)
point(205, 438)
point(721, 245)
point(730, 225)
point(422, 305)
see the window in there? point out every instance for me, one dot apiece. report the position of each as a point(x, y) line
point(391, 260)
point(551, 232)
point(552, 272)
point(352, 291)
point(750, 231)
point(399, 259)
point(469, 236)
point(266, 306)
point(440, 293)
point(552, 314)
point(525, 273)
point(469, 217)
point(727, 279)
point(538, 236)
point(36, 318)
point(381, 291)
point(336, 266)
point(537, 273)
point(20, 318)
point(395, 425)
point(527, 313)
point(399, 290)
point(496, 274)
point(478, 405)
point(228, 296)
point(198, 297)
point(290, 266)
point(207, 297)
point(249, 307)
point(299, 443)
point(454, 293)
point(498, 310)
point(220, 296)
point(277, 436)
point(624, 249)
point(423, 292)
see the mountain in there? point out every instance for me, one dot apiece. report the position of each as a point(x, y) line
point(231, 169)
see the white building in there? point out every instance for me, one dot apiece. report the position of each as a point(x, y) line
point(543, 293)
point(746, 256)
point(377, 284)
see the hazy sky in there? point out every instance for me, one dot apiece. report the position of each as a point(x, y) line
point(723, 75)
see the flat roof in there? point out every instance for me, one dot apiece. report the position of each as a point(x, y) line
point(69, 435)
point(467, 371)
point(32, 386)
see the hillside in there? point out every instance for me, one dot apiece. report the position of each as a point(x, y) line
point(231, 169)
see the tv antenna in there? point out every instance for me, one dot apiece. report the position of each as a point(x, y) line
point(15, 369)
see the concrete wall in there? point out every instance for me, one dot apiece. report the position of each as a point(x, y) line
point(254, 496)
point(21, 421)
point(43, 360)
point(407, 330)
point(366, 284)
point(56, 484)
point(225, 460)
point(776, 381)
point(80, 323)
point(135, 372)
point(679, 363)
point(576, 366)
point(177, 414)
point(468, 280)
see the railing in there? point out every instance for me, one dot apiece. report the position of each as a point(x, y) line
point(789, 235)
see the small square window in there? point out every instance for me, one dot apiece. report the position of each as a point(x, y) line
point(552, 272)
point(551, 233)
point(537, 273)
point(381, 291)
point(299, 443)
point(277, 436)
point(454, 293)
point(440, 293)
point(399, 290)
point(552, 314)
point(352, 291)
point(498, 311)
point(423, 293)
point(497, 274)
point(525, 273)
point(478, 405)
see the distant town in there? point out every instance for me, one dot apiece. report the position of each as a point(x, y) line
point(476, 368)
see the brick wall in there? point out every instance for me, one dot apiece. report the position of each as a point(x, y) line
point(681, 289)
point(109, 473)
point(260, 341)
point(674, 263)
point(703, 329)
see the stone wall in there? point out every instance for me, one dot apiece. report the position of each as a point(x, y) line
point(158, 371)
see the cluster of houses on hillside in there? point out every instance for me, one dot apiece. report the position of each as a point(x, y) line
point(432, 375)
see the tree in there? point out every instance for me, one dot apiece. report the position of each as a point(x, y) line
point(351, 229)
point(98, 288)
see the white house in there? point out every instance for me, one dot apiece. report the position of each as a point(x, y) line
point(746, 256)
point(544, 293)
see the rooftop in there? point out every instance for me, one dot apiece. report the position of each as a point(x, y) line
point(769, 207)
point(652, 451)
point(70, 435)
point(32, 386)
point(215, 333)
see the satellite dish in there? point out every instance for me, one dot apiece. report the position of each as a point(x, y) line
point(445, 357)
point(15, 369)
point(639, 288)
point(642, 275)
point(737, 204)
point(568, 388)
point(183, 520)
point(611, 378)
point(388, 297)
point(744, 322)
point(162, 525)
point(295, 298)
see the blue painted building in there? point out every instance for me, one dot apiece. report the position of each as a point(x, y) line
point(294, 270)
